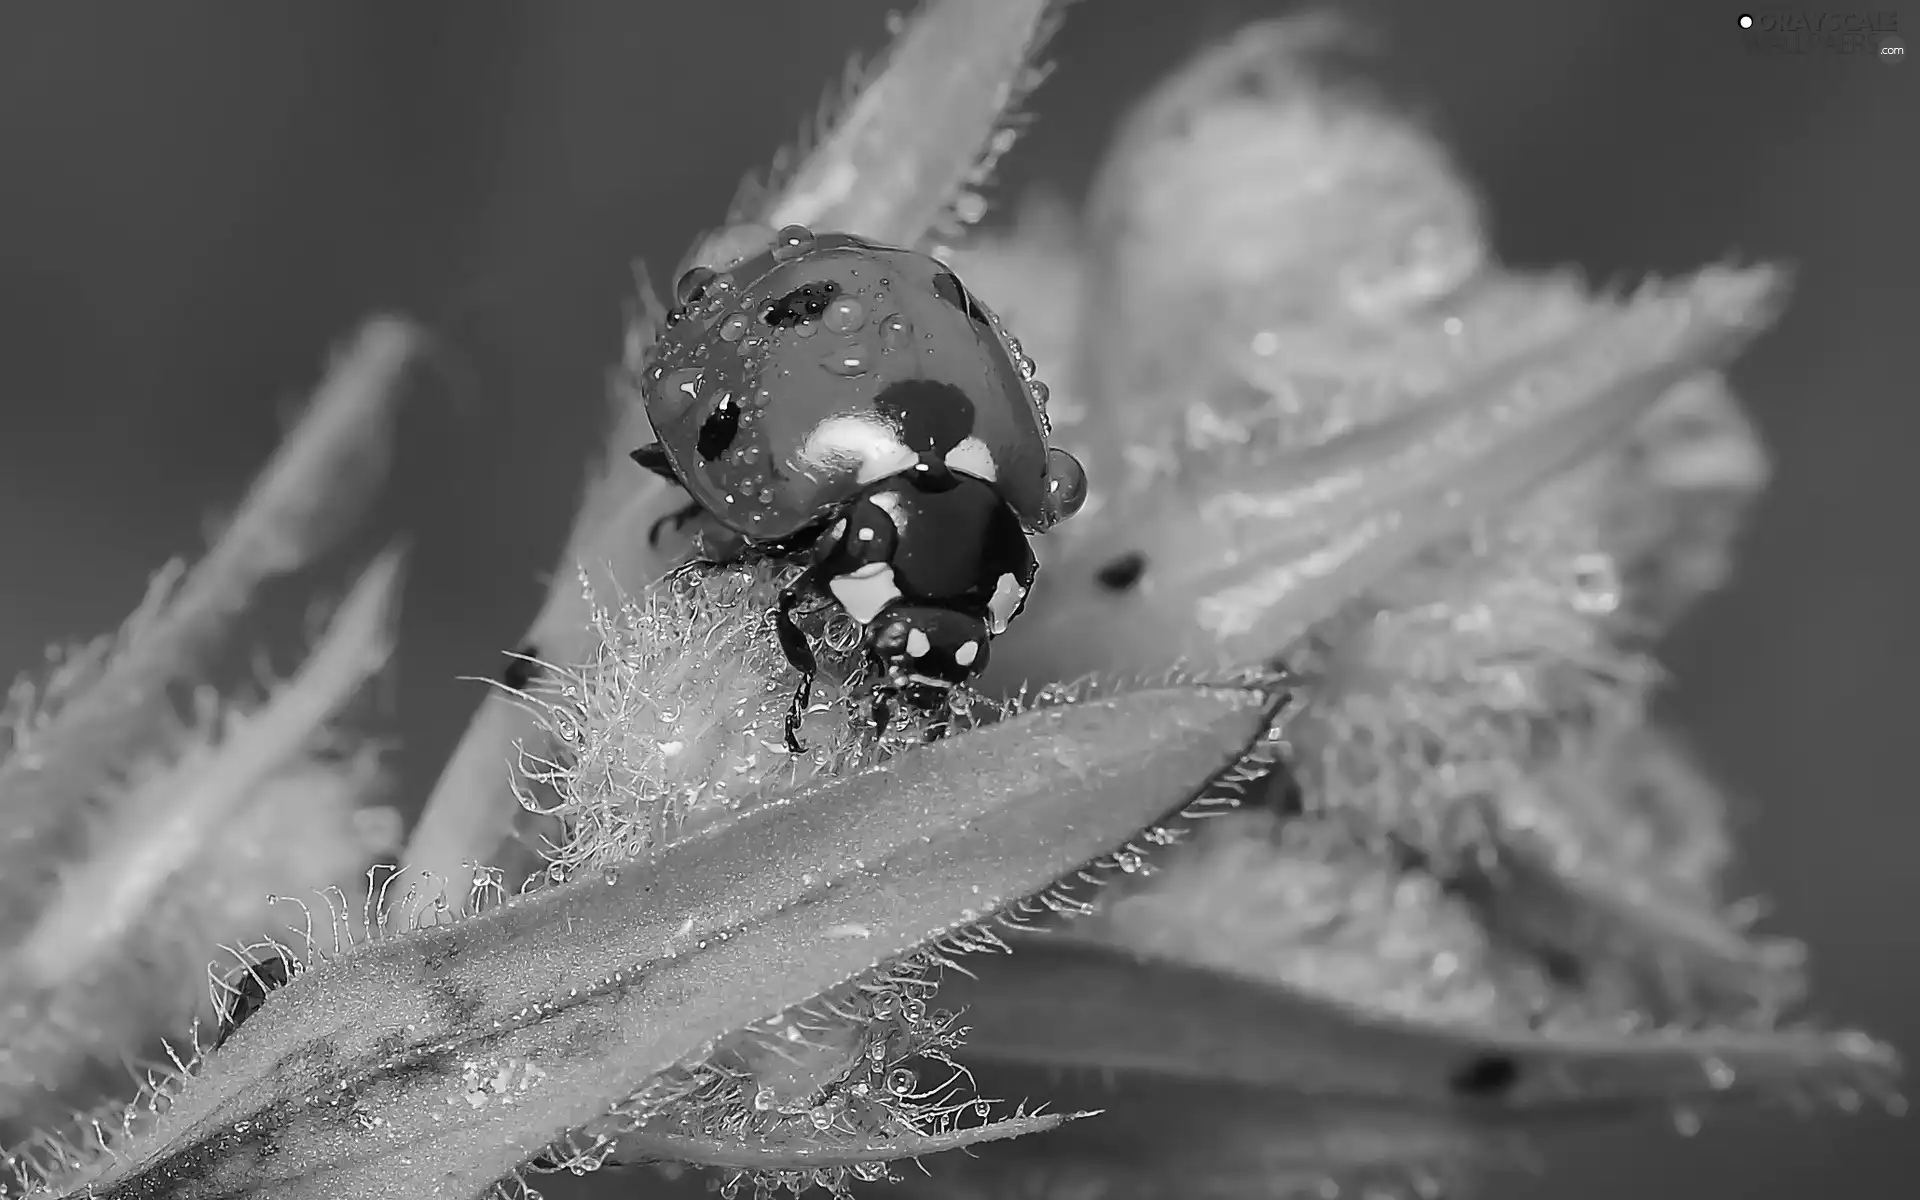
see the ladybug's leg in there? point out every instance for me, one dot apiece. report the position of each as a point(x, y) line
point(675, 520)
point(793, 642)
point(653, 457)
point(882, 713)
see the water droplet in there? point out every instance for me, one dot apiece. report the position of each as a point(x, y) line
point(556, 872)
point(1026, 366)
point(792, 242)
point(763, 1099)
point(1066, 484)
point(610, 875)
point(733, 328)
point(683, 384)
point(969, 208)
point(1719, 1073)
point(883, 1005)
point(901, 1081)
point(982, 1109)
point(849, 361)
point(806, 329)
point(844, 315)
point(1596, 582)
point(1686, 1122)
point(1039, 393)
point(693, 285)
point(821, 1117)
point(1128, 861)
point(895, 331)
point(914, 1009)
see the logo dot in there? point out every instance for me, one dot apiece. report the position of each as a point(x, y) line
point(1746, 21)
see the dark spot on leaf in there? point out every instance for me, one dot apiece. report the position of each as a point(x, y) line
point(1488, 1077)
point(519, 672)
point(1122, 573)
point(456, 1008)
point(719, 429)
point(802, 304)
point(948, 287)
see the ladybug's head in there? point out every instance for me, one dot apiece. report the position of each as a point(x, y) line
point(924, 651)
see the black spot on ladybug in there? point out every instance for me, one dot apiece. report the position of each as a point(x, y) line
point(519, 672)
point(1122, 573)
point(948, 287)
point(932, 417)
point(719, 429)
point(802, 304)
point(1488, 1077)
point(250, 987)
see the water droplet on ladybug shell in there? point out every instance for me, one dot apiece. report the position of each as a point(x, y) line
point(851, 360)
point(895, 332)
point(844, 315)
point(733, 328)
point(693, 284)
point(684, 383)
point(1066, 484)
point(792, 242)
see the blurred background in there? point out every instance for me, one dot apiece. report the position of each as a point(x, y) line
point(198, 199)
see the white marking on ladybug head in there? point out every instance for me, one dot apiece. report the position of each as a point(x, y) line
point(917, 644)
point(1008, 595)
point(966, 653)
point(863, 593)
point(870, 448)
point(971, 457)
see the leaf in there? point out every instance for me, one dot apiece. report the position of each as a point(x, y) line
point(316, 483)
point(439, 1059)
point(1234, 563)
point(923, 128)
point(1214, 1083)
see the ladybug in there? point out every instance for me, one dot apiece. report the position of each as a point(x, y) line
point(853, 406)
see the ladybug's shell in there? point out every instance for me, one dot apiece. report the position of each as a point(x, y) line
point(773, 418)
